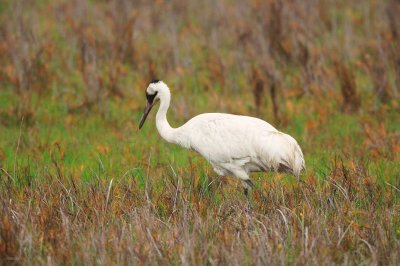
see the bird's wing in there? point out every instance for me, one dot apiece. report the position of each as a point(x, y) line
point(224, 138)
point(243, 141)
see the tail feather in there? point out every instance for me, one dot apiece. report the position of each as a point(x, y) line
point(299, 163)
point(295, 156)
point(284, 154)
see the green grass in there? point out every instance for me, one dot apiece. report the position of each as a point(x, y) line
point(111, 140)
point(86, 186)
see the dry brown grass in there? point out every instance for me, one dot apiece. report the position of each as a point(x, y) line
point(74, 72)
point(345, 218)
point(348, 88)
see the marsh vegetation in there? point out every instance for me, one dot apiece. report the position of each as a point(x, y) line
point(79, 184)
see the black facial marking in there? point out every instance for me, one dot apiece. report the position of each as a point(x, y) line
point(154, 81)
point(150, 97)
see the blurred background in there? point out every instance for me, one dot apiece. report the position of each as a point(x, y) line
point(318, 69)
point(86, 53)
point(73, 75)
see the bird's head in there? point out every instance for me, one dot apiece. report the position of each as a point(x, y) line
point(153, 92)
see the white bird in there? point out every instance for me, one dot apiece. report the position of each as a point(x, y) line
point(235, 145)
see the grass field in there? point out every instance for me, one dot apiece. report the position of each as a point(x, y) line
point(80, 184)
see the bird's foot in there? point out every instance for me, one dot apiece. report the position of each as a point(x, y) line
point(248, 208)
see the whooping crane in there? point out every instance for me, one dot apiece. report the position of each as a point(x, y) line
point(234, 145)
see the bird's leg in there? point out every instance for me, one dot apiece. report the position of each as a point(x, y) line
point(247, 207)
point(246, 182)
point(245, 189)
point(246, 192)
point(250, 184)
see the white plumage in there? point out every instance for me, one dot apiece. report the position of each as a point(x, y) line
point(234, 145)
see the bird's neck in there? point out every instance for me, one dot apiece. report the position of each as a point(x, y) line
point(163, 127)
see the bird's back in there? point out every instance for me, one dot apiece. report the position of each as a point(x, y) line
point(243, 141)
point(234, 145)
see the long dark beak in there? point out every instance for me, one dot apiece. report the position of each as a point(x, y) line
point(146, 112)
